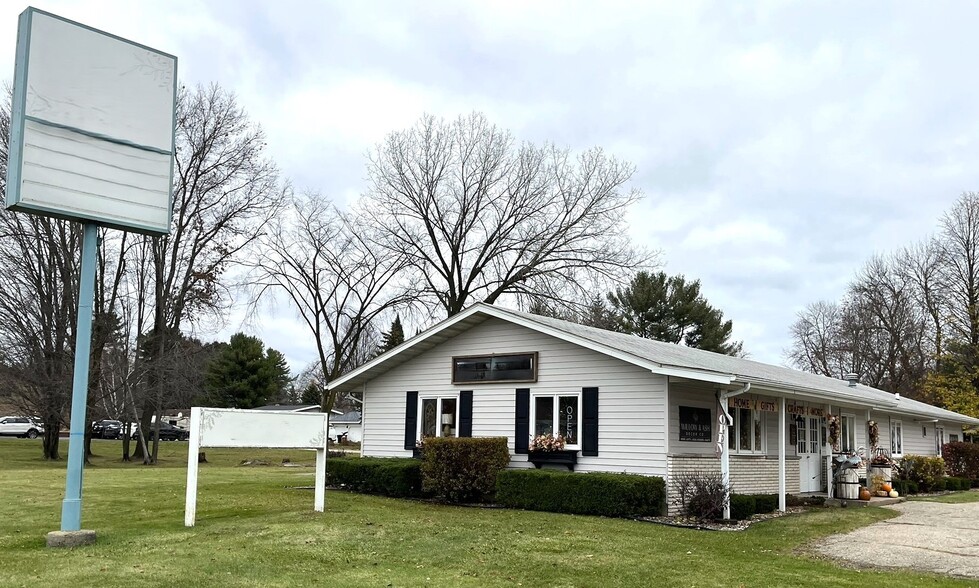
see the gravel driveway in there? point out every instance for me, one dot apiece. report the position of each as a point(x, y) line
point(927, 536)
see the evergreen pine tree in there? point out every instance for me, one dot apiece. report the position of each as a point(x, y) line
point(393, 338)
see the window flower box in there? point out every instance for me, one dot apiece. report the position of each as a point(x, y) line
point(563, 457)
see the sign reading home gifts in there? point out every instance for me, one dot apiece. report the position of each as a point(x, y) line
point(752, 404)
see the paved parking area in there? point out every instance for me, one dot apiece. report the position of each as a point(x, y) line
point(927, 536)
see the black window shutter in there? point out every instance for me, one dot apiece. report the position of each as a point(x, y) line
point(521, 435)
point(466, 413)
point(589, 434)
point(411, 419)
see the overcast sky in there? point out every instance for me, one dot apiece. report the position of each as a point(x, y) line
point(778, 144)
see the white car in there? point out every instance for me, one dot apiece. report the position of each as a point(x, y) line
point(13, 426)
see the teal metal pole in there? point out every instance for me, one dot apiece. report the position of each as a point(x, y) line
point(71, 508)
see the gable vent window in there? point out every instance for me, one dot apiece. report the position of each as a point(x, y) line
point(518, 367)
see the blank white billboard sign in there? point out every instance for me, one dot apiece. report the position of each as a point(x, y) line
point(92, 130)
point(228, 427)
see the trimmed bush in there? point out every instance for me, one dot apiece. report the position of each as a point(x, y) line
point(609, 495)
point(392, 476)
point(745, 505)
point(742, 506)
point(905, 487)
point(962, 459)
point(463, 469)
point(766, 503)
point(927, 471)
point(956, 484)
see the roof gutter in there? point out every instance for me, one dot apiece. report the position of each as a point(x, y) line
point(813, 393)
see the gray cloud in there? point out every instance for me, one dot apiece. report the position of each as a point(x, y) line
point(778, 145)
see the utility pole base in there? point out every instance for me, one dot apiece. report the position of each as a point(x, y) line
point(70, 538)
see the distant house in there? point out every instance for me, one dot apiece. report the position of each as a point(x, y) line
point(628, 404)
point(348, 424)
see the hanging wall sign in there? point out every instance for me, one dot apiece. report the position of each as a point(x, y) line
point(752, 404)
point(802, 410)
point(695, 424)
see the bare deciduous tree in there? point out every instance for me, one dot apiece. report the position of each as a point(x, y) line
point(959, 241)
point(226, 191)
point(478, 216)
point(324, 263)
point(39, 272)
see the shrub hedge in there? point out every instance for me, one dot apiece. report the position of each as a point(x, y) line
point(391, 476)
point(742, 506)
point(962, 459)
point(463, 469)
point(745, 505)
point(927, 471)
point(955, 484)
point(610, 495)
point(905, 487)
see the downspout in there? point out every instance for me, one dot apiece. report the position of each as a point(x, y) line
point(725, 421)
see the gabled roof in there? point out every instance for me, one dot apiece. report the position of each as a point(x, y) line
point(656, 356)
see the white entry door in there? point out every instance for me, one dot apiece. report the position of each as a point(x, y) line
point(810, 464)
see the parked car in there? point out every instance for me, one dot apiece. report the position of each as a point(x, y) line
point(14, 426)
point(168, 432)
point(106, 429)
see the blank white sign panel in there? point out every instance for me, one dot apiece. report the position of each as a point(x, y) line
point(255, 428)
point(93, 126)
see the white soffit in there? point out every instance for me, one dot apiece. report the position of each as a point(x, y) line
point(92, 129)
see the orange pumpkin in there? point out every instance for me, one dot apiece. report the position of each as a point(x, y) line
point(886, 487)
point(864, 494)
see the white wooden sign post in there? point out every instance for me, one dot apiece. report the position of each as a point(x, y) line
point(228, 427)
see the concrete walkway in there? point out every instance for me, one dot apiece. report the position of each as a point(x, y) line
point(927, 536)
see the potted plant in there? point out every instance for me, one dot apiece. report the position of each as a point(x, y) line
point(880, 465)
point(544, 449)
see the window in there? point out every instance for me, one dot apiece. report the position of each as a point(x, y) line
point(897, 438)
point(802, 444)
point(953, 438)
point(848, 432)
point(557, 415)
point(439, 417)
point(495, 368)
point(747, 431)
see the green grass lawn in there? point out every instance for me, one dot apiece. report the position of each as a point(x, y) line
point(255, 529)
point(953, 498)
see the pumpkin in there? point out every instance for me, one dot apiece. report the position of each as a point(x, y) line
point(893, 494)
point(886, 487)
point(864, 494)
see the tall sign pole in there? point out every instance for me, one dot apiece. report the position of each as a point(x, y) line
point(71, 507)
point(91, 140)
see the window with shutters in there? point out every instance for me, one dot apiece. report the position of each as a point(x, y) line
point(557, 414)
point(438, 416)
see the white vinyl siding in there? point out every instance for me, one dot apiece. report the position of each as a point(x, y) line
point(632, 401)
